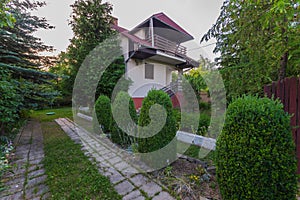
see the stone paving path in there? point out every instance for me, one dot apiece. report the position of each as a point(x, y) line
point(27, 178)
point(124, 172)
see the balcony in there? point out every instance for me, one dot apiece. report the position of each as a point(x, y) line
point(167, 46)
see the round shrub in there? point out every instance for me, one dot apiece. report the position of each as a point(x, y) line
point(121, 107)
point(103, 114)
point(165, 134)
point(255, 153)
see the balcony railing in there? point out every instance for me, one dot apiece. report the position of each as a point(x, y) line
point(167, 45)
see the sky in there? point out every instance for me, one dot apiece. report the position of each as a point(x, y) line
point(195, 16)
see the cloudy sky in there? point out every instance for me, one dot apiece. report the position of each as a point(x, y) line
point(195, 16)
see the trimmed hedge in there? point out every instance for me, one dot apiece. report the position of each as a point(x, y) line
point(120, 111)
point(103, 114)
point(166, 133)
point(255, 153)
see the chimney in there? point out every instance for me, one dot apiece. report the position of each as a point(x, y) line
point(115, 21)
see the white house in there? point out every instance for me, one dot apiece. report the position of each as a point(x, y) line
point(152, 50)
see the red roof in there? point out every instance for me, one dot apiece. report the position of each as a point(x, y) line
point(164, 18)
point(134, 38)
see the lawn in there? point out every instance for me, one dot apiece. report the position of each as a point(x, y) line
point(70, 173)
point(42, 116)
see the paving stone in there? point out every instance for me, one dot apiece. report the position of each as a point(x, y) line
point(124, 187)
point(99, 158)
point(17, 195)
point(36, 191)
point(115, 160)
point(115, 178)
point(36, 173)
point(36, 181)
point(139, 198)
point(108, 156)
point(18, 180)
point(130, 171)
point(35, 167)
point(132, 195)
point(36, 162)
point(151, 188)
point(163, 196)
point(139, 180)
point(121, 165)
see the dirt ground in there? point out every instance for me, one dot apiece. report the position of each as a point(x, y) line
point(188, 180)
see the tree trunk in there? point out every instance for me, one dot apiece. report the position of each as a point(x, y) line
point(284, 58)
point(283, 66)
point(2, 129)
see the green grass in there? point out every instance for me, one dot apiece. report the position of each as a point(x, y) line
point(59, 113)
point(70, 175)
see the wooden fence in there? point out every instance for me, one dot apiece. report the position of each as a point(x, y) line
point(288, 91)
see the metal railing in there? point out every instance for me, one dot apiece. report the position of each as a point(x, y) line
point(167, 45)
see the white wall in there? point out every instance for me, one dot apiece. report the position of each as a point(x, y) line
point(141, 34)
point(125, 46)
point(141, 86)
point(136, 72)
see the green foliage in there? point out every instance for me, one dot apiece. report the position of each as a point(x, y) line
point(166, 133)
point(91, 24)
point(258, 42)
point(120, 111)
point(255, 154)
point(6, 19)
point(24, 84)
point(195, 78)
point(10, 102)
point(70, 174)
point(189, 123)
point(102, 115)
point(6, 147)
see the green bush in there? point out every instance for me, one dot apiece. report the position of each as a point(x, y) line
point(255, 153)
point(10, 103)
point(103, 114)
point(204, 105)
point(189, 123)
point(165, 134)
point(120, 111)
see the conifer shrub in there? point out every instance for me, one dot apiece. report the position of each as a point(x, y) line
point(125, 114)
point(103, 114)
point(162, 135)
point(255, 153)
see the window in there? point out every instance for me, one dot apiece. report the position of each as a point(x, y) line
point(149, 71)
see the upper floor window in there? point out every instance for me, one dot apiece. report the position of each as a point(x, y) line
point(149, 71)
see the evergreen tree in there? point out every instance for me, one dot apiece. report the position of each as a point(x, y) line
point(24, 83)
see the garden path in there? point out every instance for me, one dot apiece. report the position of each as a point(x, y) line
point(26, 179)
point(124, 172)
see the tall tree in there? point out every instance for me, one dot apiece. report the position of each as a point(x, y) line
point(24, 83)
point(258, 42)
point(91, 24)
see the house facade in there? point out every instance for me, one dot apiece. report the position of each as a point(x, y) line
point(152, 51)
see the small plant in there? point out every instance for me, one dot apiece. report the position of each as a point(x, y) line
point(102, 114)
point(200, 170)
point(168, 171)
point(194, 178)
